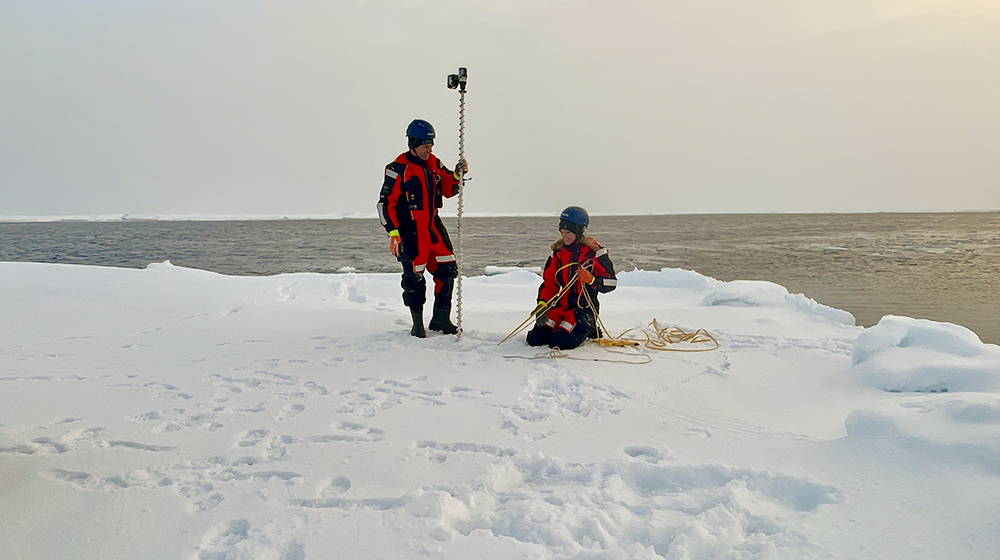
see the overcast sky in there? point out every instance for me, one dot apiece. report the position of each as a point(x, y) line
point(624, 106)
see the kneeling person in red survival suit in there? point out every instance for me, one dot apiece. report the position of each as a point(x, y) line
point(571, 320)
point(408, 208)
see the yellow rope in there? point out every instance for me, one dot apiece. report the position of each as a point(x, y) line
point(534, 315)
point(664, 339)
point(557, 353)
point(661, 338)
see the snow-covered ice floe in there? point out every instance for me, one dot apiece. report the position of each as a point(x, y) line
point(494, 270)
point(176, 413)
point(906, 354)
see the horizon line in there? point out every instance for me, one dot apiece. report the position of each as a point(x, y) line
point(290, 216)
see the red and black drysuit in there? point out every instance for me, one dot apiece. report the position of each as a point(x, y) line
point(412, 192)
point(570, 320)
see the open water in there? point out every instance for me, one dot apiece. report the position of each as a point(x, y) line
point(944, 267)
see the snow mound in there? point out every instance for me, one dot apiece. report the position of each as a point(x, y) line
point(238, 539)
point(940, 428)
point(755, 293)
point(513, 275)
point(167, 267)
point(905, 354)
point(566, 394)
point(667, 278)
point(637, 507)
point(495, 270)
point(747, 293)
point(810, 306)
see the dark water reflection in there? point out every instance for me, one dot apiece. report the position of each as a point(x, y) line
point(944, 267)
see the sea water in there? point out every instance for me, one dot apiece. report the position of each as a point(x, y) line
point(940, 266)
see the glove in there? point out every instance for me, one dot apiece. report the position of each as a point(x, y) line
point(542, 304)
point(461, 168)
point(539, 313)
point(394, 244)
point(586, 277)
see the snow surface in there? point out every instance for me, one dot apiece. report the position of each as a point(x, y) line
point(182, 414)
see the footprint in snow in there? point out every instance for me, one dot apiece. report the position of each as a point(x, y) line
point(208, 503)
point(234, 538)
point(138, 446)
point(699, 432)
point(369, 434)
point(79, 478)
point(250, 438)
point(290, 411)
point(273, 448)
point(333, 486)
point(316, 388)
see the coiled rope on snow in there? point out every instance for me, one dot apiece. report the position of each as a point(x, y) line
point(666, 339)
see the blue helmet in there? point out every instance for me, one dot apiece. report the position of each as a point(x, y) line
point(420, 132)
point(574, 219)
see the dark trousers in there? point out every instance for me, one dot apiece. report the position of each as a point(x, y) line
point(559, 338)
point(415, 287)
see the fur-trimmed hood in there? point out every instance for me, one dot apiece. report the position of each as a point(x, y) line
point(586, 240)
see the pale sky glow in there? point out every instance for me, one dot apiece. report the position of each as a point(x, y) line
point(249, 107)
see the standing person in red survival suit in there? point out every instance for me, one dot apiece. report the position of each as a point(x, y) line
point(408, 208)
point(571, 320)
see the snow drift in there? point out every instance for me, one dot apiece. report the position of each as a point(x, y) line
point(175, 413)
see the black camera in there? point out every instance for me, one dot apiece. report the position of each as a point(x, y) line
point(458, 80)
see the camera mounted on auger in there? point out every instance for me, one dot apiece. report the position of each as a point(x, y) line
point(458, 80)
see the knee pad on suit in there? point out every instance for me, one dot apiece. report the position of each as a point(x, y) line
point(446, 270)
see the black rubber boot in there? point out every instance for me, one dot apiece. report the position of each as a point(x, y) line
point(441, 322)
point(418, 323)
